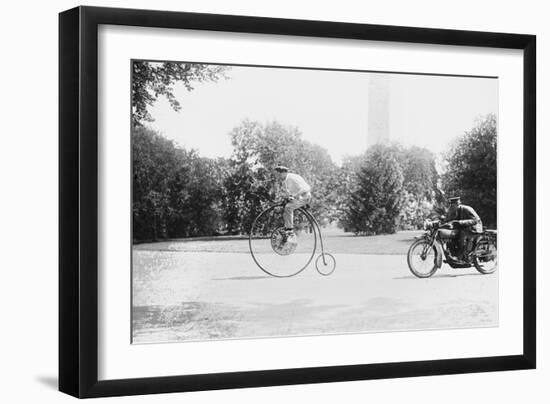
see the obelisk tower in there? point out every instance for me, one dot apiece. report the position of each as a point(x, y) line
point(379, 109)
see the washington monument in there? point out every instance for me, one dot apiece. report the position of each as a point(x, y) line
point(379, 109)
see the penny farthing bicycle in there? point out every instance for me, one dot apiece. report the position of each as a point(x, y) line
point(280, 258)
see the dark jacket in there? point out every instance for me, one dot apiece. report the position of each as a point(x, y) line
point(466, 217)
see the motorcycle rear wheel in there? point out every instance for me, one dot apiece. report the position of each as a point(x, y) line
point(419, 266)
point(488, 262)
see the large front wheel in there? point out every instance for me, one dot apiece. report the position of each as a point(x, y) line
point(422, 259)
point(273, 252)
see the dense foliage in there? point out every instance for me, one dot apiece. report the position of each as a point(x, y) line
point(178, 193)
point(389, 187)
point(418, 192)
point(374, 203)
point(421, 197)
point(175, 192)
point(471, 169)
point(257, 149)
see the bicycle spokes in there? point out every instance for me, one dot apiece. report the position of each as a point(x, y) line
point(273, 252)
point(281, 243)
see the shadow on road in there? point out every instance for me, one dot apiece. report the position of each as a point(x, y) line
point(243, 278)
point(439, 276)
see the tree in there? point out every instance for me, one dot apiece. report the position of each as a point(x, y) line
point(420, 182)
point(176, 193)
point(153, 79)
point(420, 195)
point(419, 173)
point(257, 149)
point(153, 162)
point(374, 203)
point(471, 169)
point(246, 187)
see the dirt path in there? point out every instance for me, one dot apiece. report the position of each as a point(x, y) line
point(183, 295)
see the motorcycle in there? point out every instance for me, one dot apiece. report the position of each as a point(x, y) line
point(440, 243)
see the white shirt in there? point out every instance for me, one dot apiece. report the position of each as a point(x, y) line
point(295, 184)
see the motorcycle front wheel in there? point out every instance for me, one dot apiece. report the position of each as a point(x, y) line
point(422, 259)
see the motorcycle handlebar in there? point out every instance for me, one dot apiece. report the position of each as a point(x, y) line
point(445, 225)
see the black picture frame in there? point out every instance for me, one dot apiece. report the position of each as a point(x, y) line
point(78, 201)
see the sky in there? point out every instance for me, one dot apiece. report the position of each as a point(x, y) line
point(330, 108)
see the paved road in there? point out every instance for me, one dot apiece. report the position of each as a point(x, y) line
point(182, 295)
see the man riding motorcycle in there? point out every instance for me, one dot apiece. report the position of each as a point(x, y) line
point(466, 219)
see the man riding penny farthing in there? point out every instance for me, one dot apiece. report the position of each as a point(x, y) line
point(283, 238)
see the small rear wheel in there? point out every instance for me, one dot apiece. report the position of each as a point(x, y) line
point(422, 259)
point(325, 264)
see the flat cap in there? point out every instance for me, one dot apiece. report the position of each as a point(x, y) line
point(281, 169)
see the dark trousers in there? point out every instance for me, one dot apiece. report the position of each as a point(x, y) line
point(466, 241)
point(290, 207)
